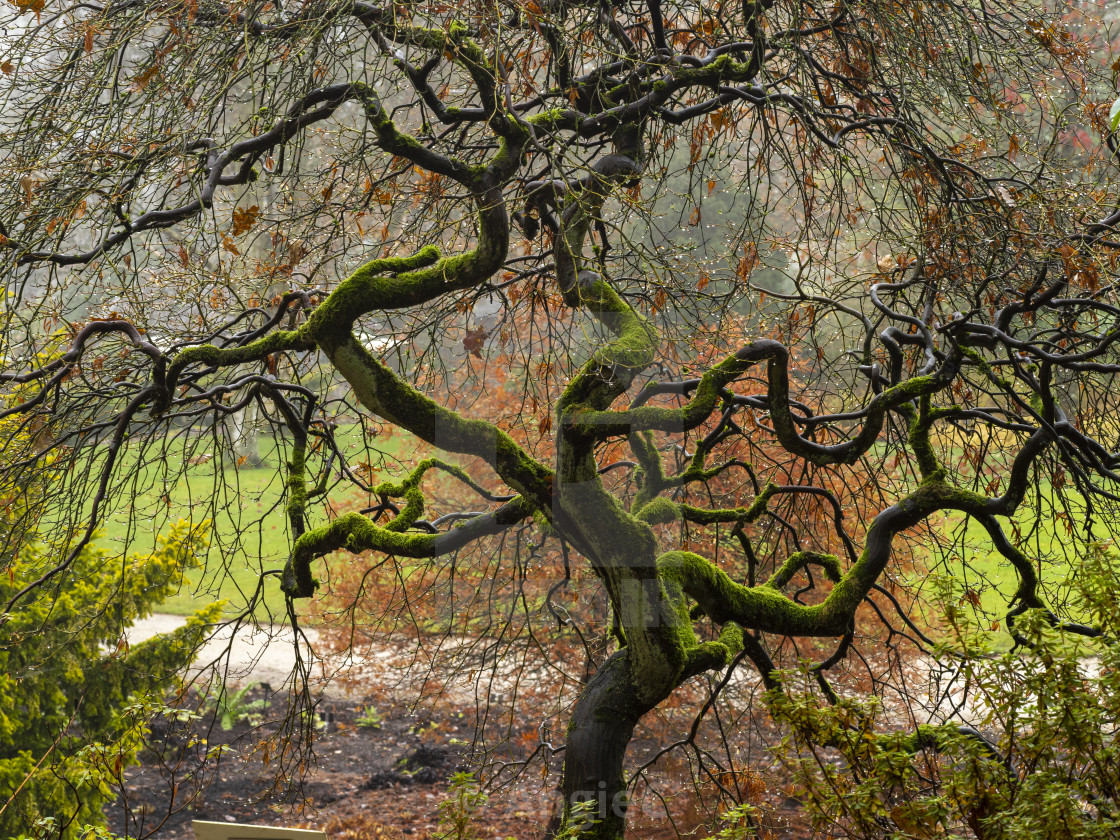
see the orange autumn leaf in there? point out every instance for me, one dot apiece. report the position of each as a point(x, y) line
point(748, 262)
point(35, 6)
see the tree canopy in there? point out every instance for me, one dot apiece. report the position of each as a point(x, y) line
point(784, 306)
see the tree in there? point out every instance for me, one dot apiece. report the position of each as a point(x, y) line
point(76, 698)
point(1049, 770)
point(889, 222)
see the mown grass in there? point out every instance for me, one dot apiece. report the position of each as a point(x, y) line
point(988, 581)
point(249, 536)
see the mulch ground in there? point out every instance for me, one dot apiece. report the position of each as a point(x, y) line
point(373, 783)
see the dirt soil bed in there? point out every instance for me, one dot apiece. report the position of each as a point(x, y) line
point(364, 782)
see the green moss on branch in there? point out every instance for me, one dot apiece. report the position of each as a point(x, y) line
point(801, 559)
point(723, 600)
point(355, 533)
point(659, 511)
point(384, 393)
point(255, 351)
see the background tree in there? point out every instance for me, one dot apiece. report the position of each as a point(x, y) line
point(916, 183)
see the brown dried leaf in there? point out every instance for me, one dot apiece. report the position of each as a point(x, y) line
point(145, 78)
point(244, 218)
point(748, 262)
point(474, 340)
point(296, 252)
point(972, 596)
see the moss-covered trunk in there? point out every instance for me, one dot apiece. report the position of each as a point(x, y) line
point(633, 680)
point(601, 727)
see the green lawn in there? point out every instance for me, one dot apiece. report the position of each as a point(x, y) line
point(248, 530)
point(990, 581)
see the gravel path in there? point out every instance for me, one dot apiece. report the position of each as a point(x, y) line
point(268, 654)
point(263, 653)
